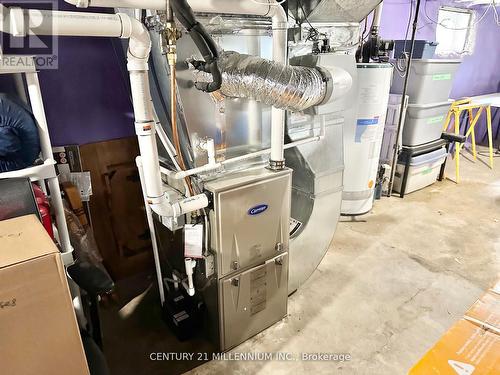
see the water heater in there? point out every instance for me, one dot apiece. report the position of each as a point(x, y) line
point(363, 132)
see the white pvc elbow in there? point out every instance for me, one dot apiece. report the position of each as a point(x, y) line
point(189, 286)
point(139, 45)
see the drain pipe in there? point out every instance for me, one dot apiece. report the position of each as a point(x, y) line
point(403, 96)
point(270, 8)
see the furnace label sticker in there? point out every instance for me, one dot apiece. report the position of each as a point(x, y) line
point(193, 241)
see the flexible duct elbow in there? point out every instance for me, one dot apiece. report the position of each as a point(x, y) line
point(293, 88)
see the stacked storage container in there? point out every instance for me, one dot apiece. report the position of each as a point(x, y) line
point(429, 86)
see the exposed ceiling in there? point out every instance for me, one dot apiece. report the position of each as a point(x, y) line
point(331, 10)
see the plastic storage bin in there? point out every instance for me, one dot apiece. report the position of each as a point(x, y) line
point(430, 80)
point(424, 122)
point(424, 171)
point(423, 49)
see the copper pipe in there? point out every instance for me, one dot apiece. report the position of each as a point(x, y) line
point(173, 113)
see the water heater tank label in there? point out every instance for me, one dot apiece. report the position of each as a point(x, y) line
point(366, 129)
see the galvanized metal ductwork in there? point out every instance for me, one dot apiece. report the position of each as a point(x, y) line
point(293, 88)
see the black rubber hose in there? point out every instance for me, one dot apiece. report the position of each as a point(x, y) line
point(203, 47)
point(200, 29)
point(203, 41)
point(216, 79)
point(186, 17)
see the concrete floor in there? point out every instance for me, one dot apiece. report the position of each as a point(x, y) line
point(391, 284)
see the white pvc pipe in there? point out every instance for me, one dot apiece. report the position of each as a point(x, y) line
point(208, 167)
point(44, 22)
point(60, 23)
point(189, 286)
point(138, 4)
point(189, 204)
point(242, 7)
point(211, 151)
point(145, 129)
point(37, 107)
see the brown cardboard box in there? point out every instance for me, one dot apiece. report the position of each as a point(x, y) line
point(471, 345)
point(38, 329)
point(485, 312)
point(465, 349)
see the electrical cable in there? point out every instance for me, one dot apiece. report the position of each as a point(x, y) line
point(363, 36)
point(403, 57)
point(313, 30)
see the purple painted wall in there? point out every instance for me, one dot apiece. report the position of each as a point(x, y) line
point(479, 73)
point(87, 98)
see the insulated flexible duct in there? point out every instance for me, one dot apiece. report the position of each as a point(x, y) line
point(292, 88)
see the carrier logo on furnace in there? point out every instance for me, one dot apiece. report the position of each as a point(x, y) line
point(255, 210)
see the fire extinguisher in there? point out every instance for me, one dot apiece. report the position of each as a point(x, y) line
point(44, 208)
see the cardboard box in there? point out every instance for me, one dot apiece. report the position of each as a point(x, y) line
point(485, 312)
point(471, 346)
point(38, 329)
point(465, 349)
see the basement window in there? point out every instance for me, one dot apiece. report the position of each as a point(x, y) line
point(455, 31)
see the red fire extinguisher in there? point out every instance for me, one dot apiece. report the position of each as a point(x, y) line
point(44, 209)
